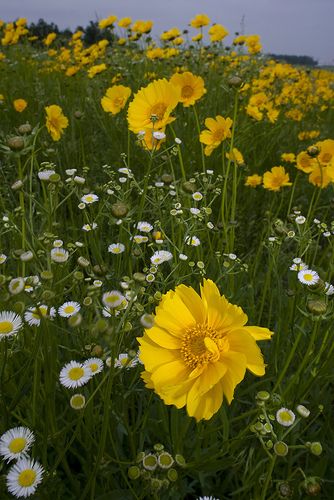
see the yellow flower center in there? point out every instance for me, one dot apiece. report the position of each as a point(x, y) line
point(76, 373)
point(27, 478)
point(6, 327)
point(202, 344)
point(187, 91)
point(285, 416)
point(39, 312)
point(159, 109)
point(17, 445)
point(69, 309)
point(118, 102)
point(308, 277)
point(93, 367)
point(218, 135)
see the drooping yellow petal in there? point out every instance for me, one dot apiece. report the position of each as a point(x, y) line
point(243, 342)
point(259, 333)
point(169, 374)
point(163, 338)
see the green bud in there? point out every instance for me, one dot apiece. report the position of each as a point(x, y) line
point(139, 277)
point(134, 472)
point(78, 275)
point(180, 460)
point(281, 449)
point(87, 301)
point(46, 275)
point(316, 448)
point(172, 475)
point(263, 395)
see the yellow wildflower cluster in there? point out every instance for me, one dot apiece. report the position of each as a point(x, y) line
point(12, 32)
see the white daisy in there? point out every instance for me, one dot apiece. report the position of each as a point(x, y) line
point(89, 198)
point(300, 219)
point(138, 238)
point(193, 241)
point(182, 256)
point(112, 299)
point(95, 365)
point(116, 248)
point(197, 196)
point(26, 256)
point(125, 361)
point(161, 256)
point(10, 324)
point(58, 243)
point(125, 171)
point(329, 289)
point(159, 135)
point(300, 266)
point(147, 320)
point(74, 374)
point(44, 175)
point(144, 227)
point(195, 211)
point(15, 443)
point(70, 171)
point(24, 477)
point(33, 315)
point(79, 180)
point(59, 255)
point(285, 417)
point(16, 286)
point(89, 227)
point(69, 309)
point(3, 258)
point(308, 277)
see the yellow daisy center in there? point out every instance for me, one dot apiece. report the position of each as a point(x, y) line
point(93, 367)
point(6, 327)
point(69, 309)
point(77, 401)
point(218, 135)
point(187, 91)
point(118, 102)
point(37, 313)
point(308, 277)
point(17, 445)
point(27, 478)
point(159, 109)
point(76, 373)
point(202, 344)
point(285, 416)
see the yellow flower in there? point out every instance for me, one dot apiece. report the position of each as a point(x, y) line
point(198, 350)
point(95, 70)
point(326, 151)
point(305, 162)
point(197, 38)
point(55, 121)
point(20, 105)
point(142, 26)
point(321, 176)
point(124, 22)
point(289, 157)
point(236, 157)
point(217, 33)
point(49, 39)
point(115, 99)
point(191, 87)
point(253, 180)
point(199, 21)
point(219, 130)
point(152, 106)
point(108, 21)
point(276, 178)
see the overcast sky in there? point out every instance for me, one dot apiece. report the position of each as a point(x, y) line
point(301, 27)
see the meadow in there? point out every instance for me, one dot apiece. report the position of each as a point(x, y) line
point(166, 267)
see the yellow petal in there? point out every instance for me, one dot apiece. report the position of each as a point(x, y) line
point(242, 342)
point(152, 355)
point(163, 338)
point(170, 374)
point(259, 333)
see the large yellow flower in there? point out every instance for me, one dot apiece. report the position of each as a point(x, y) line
point(56, 121)
point(191, 87)
point(217, 33)
point(219, 129)
point(152, 106)
point(199, 349)
point(276, 178)
point(115, 99)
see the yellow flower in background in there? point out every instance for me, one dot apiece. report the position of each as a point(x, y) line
point(152, 106)
point(115, 99)
point(305, 162)
point(253, 180)
point(197, 38)
point(198, 350)
point(20, 105)
point(56, 121)
point(236, 157)
point(95, 70)
point(108, 21)
point(276, 178)
point(219, 129)
point(321, 176)
point(199, 21)
point(217, 33)
point(191, 87)
point(289, 157)
point(124, 22)
point(142, 27)
point(49, 39)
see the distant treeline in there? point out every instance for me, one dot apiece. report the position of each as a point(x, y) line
point(92, 34)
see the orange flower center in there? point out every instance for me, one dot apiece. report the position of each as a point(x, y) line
point(159, 109)
point(187, 91)
point(119, 101)
point(326, 157)
point(202, 344)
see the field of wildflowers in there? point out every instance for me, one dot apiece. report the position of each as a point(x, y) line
point(166, 267)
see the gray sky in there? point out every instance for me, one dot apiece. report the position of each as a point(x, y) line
point(301, 27)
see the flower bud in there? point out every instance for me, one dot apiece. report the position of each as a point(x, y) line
point(281, 449)
point(316, 448)
point(313, 151)
point(15, 143)
point(119, 209)
point(17, 185)
point(235, 81)
point(317, 306)
point(172, 475)
point(134, 472)
point(25, 128)
point(82, 262)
